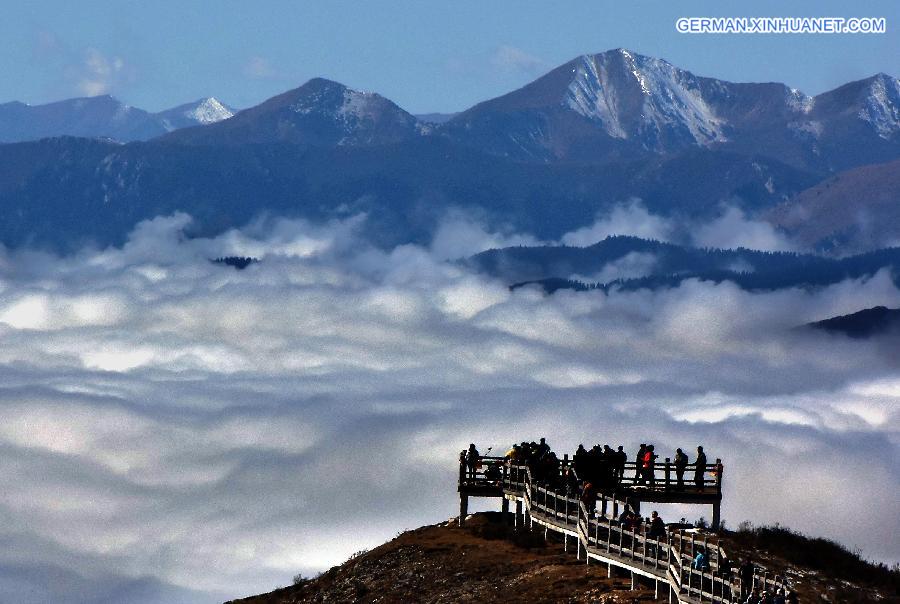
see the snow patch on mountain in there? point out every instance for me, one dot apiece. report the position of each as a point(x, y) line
point(881, 106)
point(356, 104)
point(121, 113)
point(799, 102)
point(592, 95)
point(807, 129)
point(636, 72)
point(349, 107)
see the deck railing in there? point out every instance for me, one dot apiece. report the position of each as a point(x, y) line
point(661, 479)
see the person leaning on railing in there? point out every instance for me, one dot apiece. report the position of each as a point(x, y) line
point(657, 531)
point(701, 560)
point(589, 498)
point(657, 527)
point(492, 472)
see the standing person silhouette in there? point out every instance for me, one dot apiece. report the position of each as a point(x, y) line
point(681, 462)
point(472, 460)
point(649, 465)
point(621, 458)
point(700, 468)
point(638, 464)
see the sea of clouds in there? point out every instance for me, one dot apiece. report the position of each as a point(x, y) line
point(174, 430)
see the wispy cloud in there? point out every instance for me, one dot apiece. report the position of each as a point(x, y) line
point(46, 44)
point(259, 68)
point(511, 59)
point(98, 73)
point(630, 218)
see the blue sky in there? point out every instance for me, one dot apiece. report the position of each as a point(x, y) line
point(425, 55)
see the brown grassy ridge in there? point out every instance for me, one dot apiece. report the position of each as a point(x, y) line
point(488, 561)
point(484, 561)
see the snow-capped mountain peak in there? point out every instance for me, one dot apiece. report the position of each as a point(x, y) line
point(209, 111)
point(881, 105)
point(336, 100)
point(634, 96)
point(199, 113)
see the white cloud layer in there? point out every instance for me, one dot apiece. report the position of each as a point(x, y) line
point(173, 430)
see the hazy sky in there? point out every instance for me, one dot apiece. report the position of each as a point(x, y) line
point(424, 54)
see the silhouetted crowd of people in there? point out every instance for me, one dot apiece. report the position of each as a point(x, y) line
point(604, 467)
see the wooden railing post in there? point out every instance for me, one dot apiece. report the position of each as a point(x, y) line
point(633, 540)
point(463, 507)
point(644, 556)
point(578, 526)
point(706, 548)
point(608, 533)
point(668, 473)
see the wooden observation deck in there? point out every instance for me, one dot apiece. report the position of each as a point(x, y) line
point(663, 487)
point(599, 537)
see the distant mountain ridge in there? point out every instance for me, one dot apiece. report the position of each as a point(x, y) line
point(845, 210)
point(102, 117)
point(545, 159)
point(620, 103)
point(667, 265)
point(65, 192)
point(863, 324)
point(319, 113)
point(597, 107)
